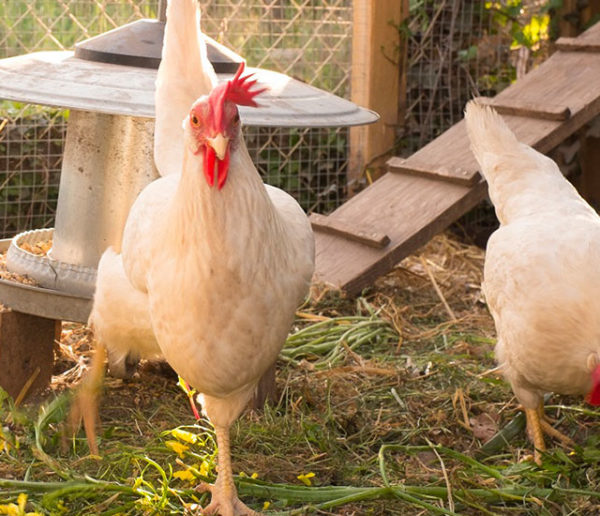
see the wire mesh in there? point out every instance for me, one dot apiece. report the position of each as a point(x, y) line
point(454, 52)
point(308, 39)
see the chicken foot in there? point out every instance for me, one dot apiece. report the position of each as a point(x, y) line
point(537, 426)
point(85, 403)
point(224, 499)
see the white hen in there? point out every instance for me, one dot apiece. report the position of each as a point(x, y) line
point(541, 274)
point(216, 261)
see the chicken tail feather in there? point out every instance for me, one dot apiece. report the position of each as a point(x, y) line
point(488, 132)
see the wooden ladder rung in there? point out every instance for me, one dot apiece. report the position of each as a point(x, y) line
point(349, 231)
point(450, 174)
point(528, 109)
point(577, 45)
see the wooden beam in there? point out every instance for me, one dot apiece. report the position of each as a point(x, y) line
point(376, 59)
point(453, 174)
point(361, 234)
point(576, 45)
point(525, 108)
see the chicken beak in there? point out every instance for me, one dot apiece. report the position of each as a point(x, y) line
point(219, 143)
point(212, 158)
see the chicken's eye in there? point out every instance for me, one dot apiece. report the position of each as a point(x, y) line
point(194, 120)
point(236, 118)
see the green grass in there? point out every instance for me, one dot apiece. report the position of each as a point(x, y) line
point(382, 408)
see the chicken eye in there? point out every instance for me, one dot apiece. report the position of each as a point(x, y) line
point(236, 118)
point(194, 120)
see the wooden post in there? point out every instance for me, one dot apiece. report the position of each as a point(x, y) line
point(26, 352)
point(162, 10)
point(377, 57)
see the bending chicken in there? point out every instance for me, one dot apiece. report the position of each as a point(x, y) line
point(541, 274)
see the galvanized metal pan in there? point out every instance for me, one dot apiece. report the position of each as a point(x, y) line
point(43, 302)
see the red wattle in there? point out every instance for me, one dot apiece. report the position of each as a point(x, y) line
point(223, 168)
point(594, 395)
point(209, 164)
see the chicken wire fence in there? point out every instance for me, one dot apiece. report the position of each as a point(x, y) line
point(454, 48)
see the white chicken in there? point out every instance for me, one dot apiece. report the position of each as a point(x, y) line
point(541, 274)
point(214, 261)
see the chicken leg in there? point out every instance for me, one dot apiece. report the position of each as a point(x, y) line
point(224, 499)
point(537, 426)
point(85, 402)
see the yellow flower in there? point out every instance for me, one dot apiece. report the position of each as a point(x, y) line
point(266, 505)
point(185, 436)
point(19, 509)
point(185, 474)
point(305, 478)
point(4, 444)
point(204, 468)
point(177, 447)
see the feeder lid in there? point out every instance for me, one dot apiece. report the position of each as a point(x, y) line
point(64, 80)
point(140, 44)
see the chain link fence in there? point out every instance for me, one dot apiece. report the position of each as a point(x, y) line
point(456, 48)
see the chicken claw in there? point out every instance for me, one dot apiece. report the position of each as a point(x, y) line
point(85, 403)
point(224, 499)
point(224, 502)
point(537, 426)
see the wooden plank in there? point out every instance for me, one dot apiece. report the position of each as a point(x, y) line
point(410, 209)
point(446, 172)
point(576, 45)
point(374, 81)
point(530, 109)
point(358, 233)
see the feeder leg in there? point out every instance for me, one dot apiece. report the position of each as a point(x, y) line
point(266, 390)
point(26, 352)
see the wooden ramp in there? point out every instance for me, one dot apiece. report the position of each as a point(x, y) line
point(421, 195)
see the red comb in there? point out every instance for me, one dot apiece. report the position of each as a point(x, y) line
point(239, 89)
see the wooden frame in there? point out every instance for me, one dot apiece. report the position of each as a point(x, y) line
point(378, 57)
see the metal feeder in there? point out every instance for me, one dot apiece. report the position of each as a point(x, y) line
point(108, 84)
